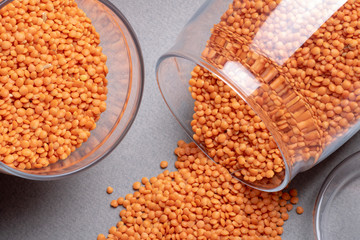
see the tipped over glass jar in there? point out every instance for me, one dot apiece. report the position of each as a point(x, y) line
point(266, 88)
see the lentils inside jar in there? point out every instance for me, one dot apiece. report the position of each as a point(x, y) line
point(310, 94)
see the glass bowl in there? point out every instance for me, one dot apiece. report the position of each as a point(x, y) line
point(337, 211)
point(125, 87)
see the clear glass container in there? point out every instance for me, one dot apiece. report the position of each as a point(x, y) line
point(125, 86)
point(337, 211)
point(293, 62)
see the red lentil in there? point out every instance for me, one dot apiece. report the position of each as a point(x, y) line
point(114, 203)
point(136, 185)
point(293, 192)
point(164, 164)
point(109, 190)
point(101, 237)
point(299, 210)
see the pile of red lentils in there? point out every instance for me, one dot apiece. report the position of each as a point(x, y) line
point(309, 101)
point(233, 135)
point(201, 200)
point(52, 81)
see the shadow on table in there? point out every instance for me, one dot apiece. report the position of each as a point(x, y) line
point(19, 196)
point(25, 199)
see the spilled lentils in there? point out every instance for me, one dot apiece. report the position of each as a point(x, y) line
point(201, 200)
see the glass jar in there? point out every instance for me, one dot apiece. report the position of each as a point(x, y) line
point(294, 63)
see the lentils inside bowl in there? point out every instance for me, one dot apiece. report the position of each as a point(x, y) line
point(53, 81)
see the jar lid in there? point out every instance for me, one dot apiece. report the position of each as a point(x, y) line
point(337, 207)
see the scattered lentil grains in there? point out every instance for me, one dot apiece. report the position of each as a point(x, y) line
point(120, 200)
point(201, 200)
point(299, 210)
point(114, 203)
point(144, 180)
point(289, 206)
point(294, 200)
point(136, 185)
point(52, 81)
point(164, 164)
point(293, 193)
point(109, 190)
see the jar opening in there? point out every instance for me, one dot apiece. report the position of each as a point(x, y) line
point(176, 92)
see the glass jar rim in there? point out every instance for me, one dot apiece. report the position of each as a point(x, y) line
point(213, 70)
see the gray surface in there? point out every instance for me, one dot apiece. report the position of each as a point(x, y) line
point(78, 207)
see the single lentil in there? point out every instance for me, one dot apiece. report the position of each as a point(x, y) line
point(109, 190)
point(299, 210)
point(101, 237)
point(294, 200)
point(136, 185)
point(164, 164)
point(293, 192)
point(114, 203)
point(120, 200)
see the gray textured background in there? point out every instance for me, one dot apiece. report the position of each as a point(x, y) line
point(78, 207)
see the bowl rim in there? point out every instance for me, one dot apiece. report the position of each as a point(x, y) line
point(329, 180)
point(22, 174)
